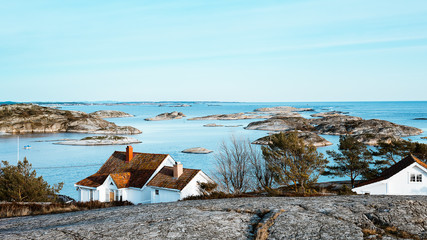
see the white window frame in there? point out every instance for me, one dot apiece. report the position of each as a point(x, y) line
point(415, 178)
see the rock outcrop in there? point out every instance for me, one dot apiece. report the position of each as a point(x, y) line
point(308, 137)
point(232, 116)
point(166, 116)
point(370, 131)
point(281, 109)
point(213, 125)
point(341, 125)
point(180, 105)
point(334, 217)
point(197, 150)
point(110, 114)
point(29, 118)
point(100, 140)
point(278, 124)
point(329, 114)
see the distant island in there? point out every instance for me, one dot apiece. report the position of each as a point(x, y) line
point(110, 114)
point(286, 118)
point(100, 140)
point(31, 118)
point(167, 116)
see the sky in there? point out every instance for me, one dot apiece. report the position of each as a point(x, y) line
point(222, 50)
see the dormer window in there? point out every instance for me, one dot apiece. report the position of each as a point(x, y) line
point(415, 177)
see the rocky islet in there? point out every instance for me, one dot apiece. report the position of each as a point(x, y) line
point(31, 118)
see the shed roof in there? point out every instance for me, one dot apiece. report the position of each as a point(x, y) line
point(164, 178)
point(394, 169)
point(126, 174)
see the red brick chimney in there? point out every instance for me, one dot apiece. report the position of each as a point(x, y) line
point(177, 169)
point(129, 153)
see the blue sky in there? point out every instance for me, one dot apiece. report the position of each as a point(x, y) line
point(226, 50)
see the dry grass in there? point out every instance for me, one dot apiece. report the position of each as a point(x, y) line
point(27, 209)
point(220, 195)
point(369, 232)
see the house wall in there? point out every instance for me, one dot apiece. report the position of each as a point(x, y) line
point(105, 188)
point(164, 195)
point(131, 195)
point(399, 184)
point(378, 188)
point(192, 187)
point(84, 194)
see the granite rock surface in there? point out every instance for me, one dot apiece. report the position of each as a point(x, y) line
point(333, 217)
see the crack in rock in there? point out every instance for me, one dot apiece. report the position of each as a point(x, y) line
point(267, 220)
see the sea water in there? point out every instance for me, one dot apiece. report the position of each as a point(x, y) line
point(69, 164)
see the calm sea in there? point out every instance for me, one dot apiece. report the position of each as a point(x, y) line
point(69, 164)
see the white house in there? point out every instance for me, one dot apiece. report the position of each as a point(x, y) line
point(141, 178)
point(407, 177)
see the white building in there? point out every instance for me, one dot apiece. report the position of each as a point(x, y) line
point(141, 178)
point(407, 177)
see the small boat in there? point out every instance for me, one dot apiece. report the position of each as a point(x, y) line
point(27, 147)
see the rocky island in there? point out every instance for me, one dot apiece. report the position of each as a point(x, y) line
point(280, 124)
point(197, 150)
point(329, 114)
point(232, 116)
point(166, 116)
point(283, 109)
point(100, 140)
point(213, 125)
point(369, 131)
point(333, 217)
point(30, 118)
point(308, 137)
point(110, 114)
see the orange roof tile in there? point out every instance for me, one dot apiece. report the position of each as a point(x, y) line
point(164, 178)
point(131, 174)
point(121, 179)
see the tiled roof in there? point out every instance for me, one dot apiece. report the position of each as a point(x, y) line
point(121, 179)
point(164, 178)
point(132, 174)
point(399, 166)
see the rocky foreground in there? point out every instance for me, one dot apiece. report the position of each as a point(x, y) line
point(336, 217)
point(30, 118)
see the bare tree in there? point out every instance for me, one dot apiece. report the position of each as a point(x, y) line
point(259, 168)
point(233, 166)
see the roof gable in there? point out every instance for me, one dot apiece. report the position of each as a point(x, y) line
point(164, 178)
point(121, 180)
point(394, 169)
point(126, 174)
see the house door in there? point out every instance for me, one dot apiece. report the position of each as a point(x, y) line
point(111, 196)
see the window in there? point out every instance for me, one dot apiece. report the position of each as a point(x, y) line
point(415, 177)
point(111, 183)
point(157, 191)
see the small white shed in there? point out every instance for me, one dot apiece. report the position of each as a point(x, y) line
point(406, 177)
